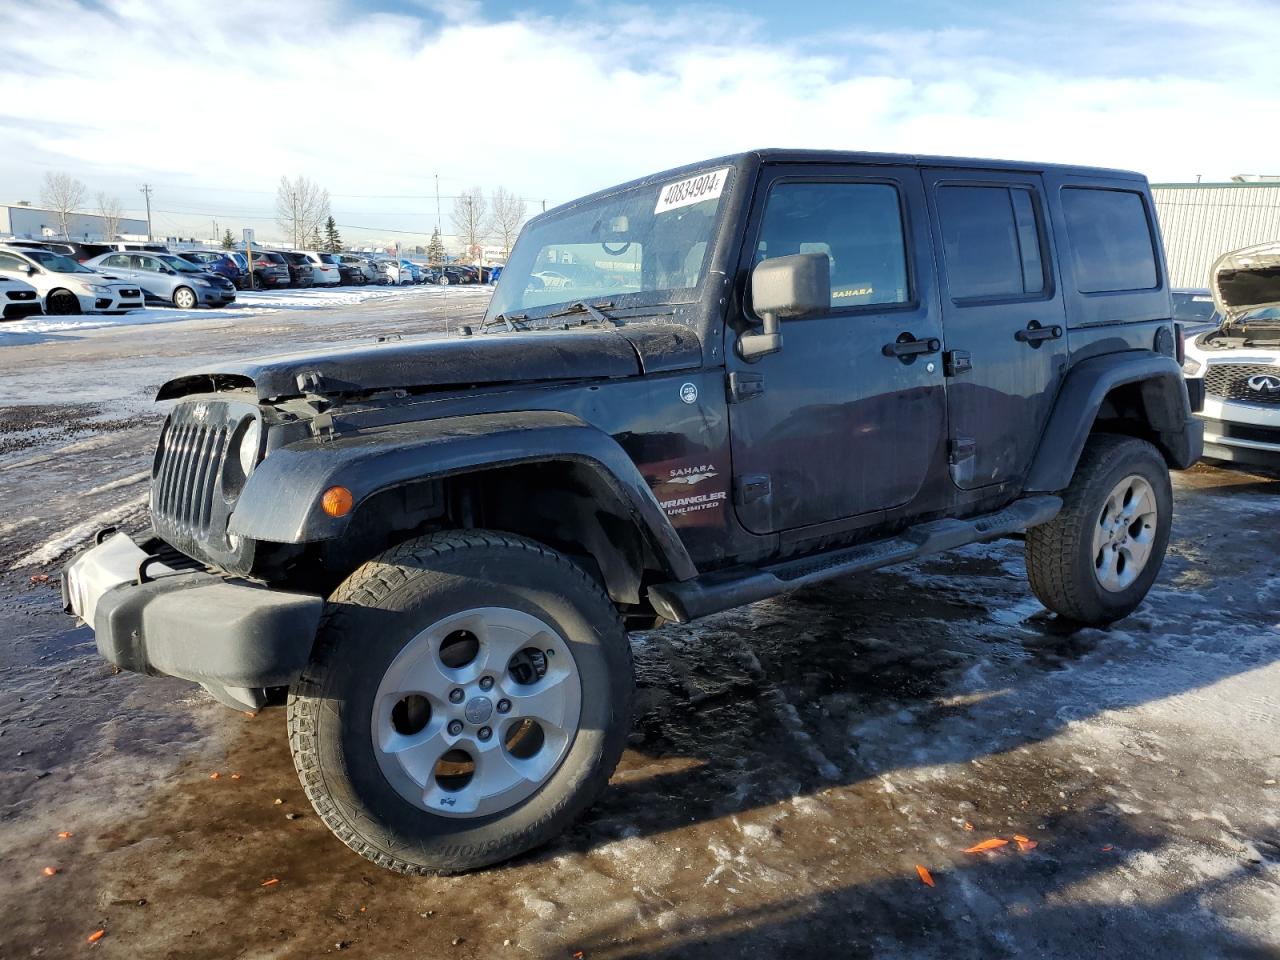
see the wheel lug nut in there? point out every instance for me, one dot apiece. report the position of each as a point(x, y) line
point(504, 706)
point(486, 683)
point(456, 695)
point(455, 727)
point(484, 733)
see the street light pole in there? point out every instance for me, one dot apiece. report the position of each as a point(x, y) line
point(146, 192)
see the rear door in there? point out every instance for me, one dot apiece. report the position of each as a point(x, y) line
point(847, 418)
point(1003, 319)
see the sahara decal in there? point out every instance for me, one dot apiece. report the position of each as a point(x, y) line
point(692, 475)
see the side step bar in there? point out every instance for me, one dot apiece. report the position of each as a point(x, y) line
point(687, 600)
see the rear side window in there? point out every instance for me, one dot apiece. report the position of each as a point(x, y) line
point(1111, 244)
point(992, 241)
point(857, 225)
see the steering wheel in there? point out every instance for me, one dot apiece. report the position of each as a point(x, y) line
point(618, 252)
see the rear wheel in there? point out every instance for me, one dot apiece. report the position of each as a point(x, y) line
point(184, 298)
point(469, 696)
point(444, 280)
point(1096, 560)
point(62, 303)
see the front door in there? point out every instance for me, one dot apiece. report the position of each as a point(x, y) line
point(1003, 319)
point(847, 418)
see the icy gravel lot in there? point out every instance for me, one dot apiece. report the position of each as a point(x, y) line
point(793, 763)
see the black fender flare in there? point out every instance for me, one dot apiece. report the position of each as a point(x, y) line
point(281, 499)
point(1165, 401)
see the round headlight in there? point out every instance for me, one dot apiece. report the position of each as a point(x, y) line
point(250, 440)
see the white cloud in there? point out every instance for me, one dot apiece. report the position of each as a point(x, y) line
point(201, 97)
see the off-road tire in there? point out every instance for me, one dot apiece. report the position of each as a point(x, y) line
point(1059, 554)
point(369, 619)
point(185, 293)
point(62, 303)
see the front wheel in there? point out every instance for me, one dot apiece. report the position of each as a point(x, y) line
point(184, 298)
point(1096, 560)
point(62, 303)
point(469, 695)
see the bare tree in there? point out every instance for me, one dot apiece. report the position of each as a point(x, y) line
point(112, 212)
point(302, 206)
point(508, 217)
point(471, 220)
point(63, 194)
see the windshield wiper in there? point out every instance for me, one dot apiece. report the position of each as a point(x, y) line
point(595, 311)
point(509, 320)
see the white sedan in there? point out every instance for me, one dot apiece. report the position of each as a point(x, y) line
point(18, 299)
point(67, 287)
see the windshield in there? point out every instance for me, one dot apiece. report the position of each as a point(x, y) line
point(648, 244)
point(55, 262)
point(1193, 308)
point(184, 266)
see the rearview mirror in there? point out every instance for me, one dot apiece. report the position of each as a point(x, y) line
point(785, 288)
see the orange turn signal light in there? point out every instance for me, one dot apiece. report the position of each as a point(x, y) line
point(337, 501)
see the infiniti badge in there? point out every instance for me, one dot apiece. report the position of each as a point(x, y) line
point(1265, 383)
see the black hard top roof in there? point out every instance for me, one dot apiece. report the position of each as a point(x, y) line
point(863, 158)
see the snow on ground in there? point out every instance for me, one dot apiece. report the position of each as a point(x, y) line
point(248, 303)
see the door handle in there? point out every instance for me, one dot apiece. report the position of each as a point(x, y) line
point(1035, 334)
point(906, 348)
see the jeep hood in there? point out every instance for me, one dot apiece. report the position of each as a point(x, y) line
point(423, 363)
point(1246, 290)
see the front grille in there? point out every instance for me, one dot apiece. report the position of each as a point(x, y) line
point(130, 292)
point(196, 477)
point(21, 294)
point(1230, 381)
point(184, 486)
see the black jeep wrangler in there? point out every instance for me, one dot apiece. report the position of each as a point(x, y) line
point(693, 391)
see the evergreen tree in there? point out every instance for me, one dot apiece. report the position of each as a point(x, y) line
point(228, 242)
point(435, 249)
point(332, 239)
point(315, 241)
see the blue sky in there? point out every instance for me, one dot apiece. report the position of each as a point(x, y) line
point(212, 103)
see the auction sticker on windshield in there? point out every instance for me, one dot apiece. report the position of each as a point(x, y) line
point(685, 193)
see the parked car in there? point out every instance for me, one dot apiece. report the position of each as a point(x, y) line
point(1235, 365)
point(367, 268)
point(217, 261)
point(446, 587)
point(1194, 310)
point(454, 273)
point(324, 267)
point(300, 273)
point(351, 274)
point(270, 270)
point(167, 278)
point(18, 298)
point(137, 245)
point(414, 271)
point(80, 252)
point(67, 287)
point(388, 271)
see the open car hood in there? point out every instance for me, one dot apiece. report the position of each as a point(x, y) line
point(1246, 291)
point(421, 363)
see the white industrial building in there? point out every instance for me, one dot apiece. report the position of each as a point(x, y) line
point(34, 223)
point(1202, 221)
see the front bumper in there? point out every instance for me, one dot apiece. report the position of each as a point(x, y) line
point(17, 309)
point(233, 637)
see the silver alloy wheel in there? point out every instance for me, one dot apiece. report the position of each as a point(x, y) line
point(1125, 533)
point(476, 712)
point(184, 299)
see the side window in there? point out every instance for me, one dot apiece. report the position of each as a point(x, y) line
point(992, 243)
point(140, 263)
point(857, 225)
point(9, 262)
point(1111, 244)
point(119, 261)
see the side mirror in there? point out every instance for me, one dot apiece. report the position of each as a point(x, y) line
point(783, 289)
point(28, 269)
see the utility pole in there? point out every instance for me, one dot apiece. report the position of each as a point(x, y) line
point(544, 206)
point(146, 192)
point(437, 176)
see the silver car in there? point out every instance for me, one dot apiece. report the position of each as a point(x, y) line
point(163, 276)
